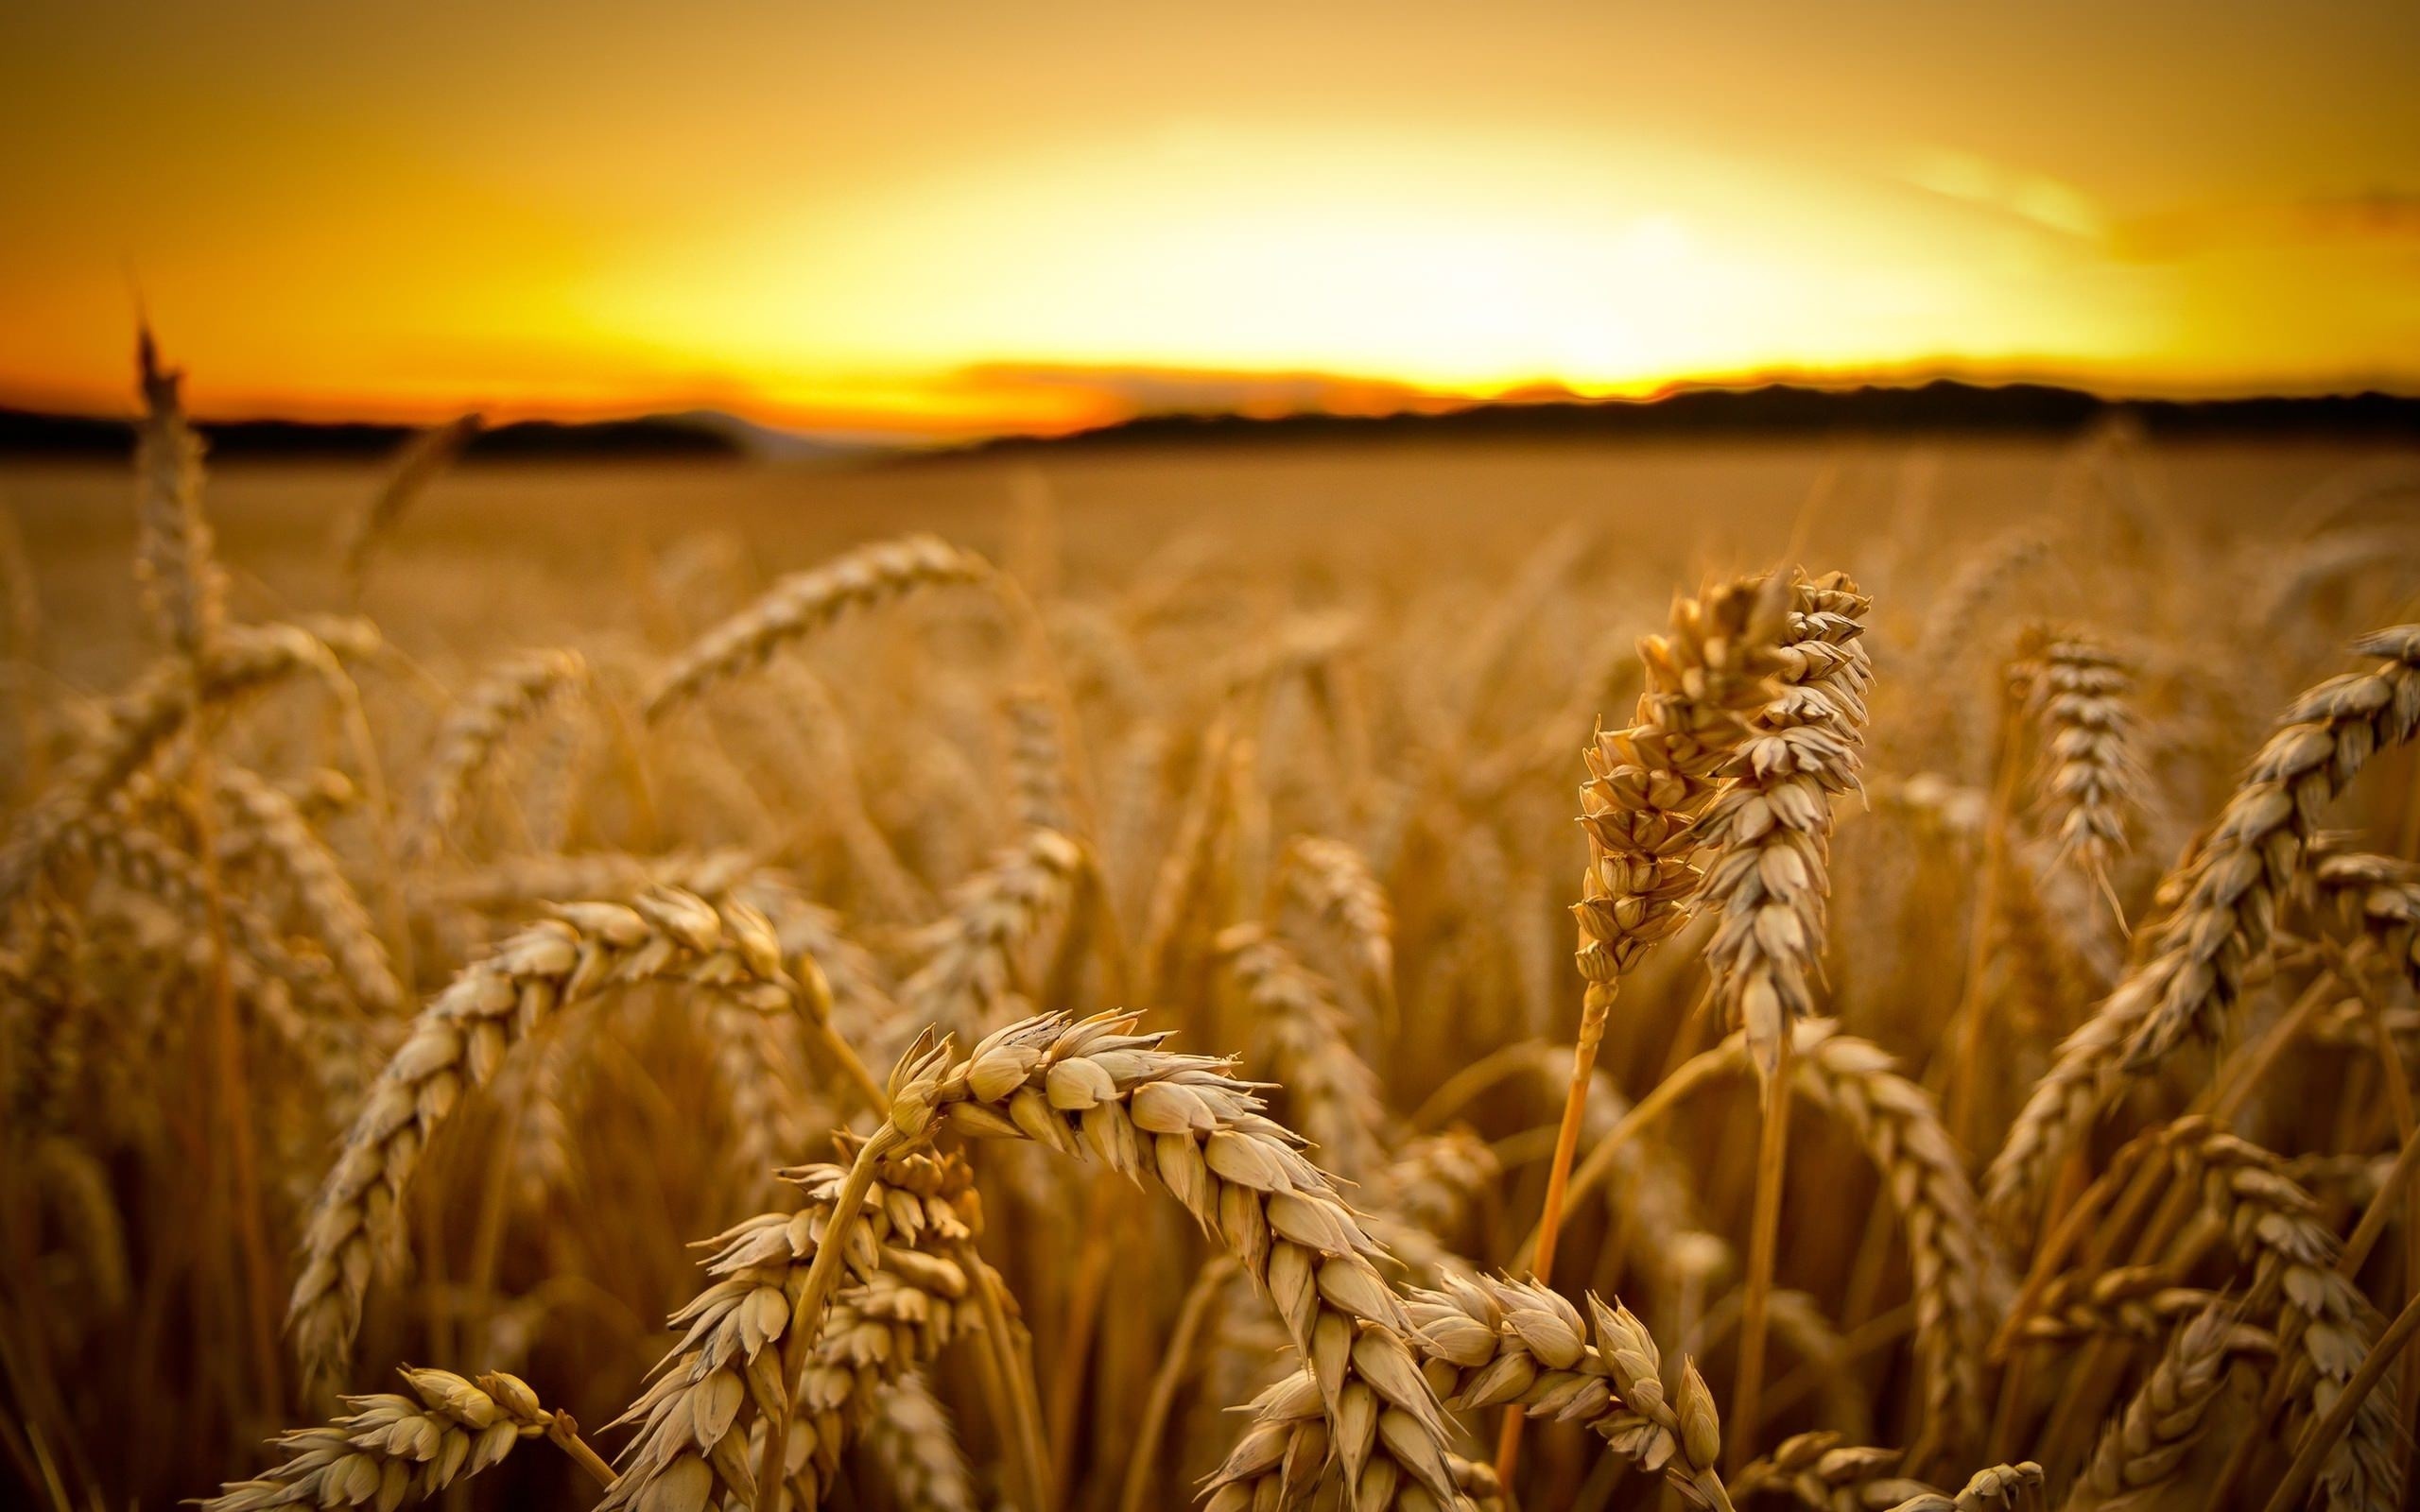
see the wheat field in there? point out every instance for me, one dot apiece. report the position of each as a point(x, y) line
point(1070, 980)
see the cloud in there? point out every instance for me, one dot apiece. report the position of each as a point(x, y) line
point(2037, 199)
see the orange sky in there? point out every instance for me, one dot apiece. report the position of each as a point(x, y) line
point(937, 218)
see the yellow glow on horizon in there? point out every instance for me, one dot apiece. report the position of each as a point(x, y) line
point(1458, 266)
point(1048, 223)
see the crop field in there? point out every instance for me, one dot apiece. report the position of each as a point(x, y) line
point(1848, 975)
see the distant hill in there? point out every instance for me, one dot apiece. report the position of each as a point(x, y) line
point(1940, 407)
point(1944, 407)
point(703, 436)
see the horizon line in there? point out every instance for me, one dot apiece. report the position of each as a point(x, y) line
point(1120, 396)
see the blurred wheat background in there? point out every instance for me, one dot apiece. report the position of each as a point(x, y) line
point(441, 900)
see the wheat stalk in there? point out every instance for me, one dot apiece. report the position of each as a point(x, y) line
point(1648, 787)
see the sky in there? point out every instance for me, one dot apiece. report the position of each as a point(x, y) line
point(938, 220)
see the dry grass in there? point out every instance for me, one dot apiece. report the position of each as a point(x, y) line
point(1258, 755)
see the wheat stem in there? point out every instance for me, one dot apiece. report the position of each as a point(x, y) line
point(1763, 1232)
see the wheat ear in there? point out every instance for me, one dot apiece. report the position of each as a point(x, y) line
point(803, 602)
point(1773, 824)
point(1823, 1474)
point(179, 581)
point(422, 459)
point(1487, 1341)
point(1304, 1039)
point(1333, 883)
point(912, 1441)
point(2329, 1325)
point(153, 711)
point(1091, 1087)
point(971, 955)
point(506, 698)
point(902, 1304)
point(2189, 968)
point(458, 1042)
point(2170, 1412)
point(270, 821)
point(2090, 778)
point(392, 1448)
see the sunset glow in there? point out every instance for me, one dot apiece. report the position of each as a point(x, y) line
point(952, 222)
